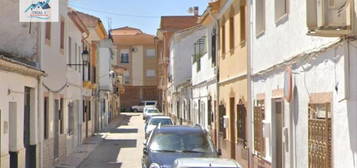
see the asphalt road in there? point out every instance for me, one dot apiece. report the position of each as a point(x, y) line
point(122, 145)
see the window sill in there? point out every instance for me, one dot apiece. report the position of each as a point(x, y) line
point(261, 33)
point(282, 19)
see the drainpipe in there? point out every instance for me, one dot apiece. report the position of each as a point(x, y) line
point(249, 79)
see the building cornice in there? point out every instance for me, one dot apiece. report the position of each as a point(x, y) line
point(234, 78)
point(10, 65)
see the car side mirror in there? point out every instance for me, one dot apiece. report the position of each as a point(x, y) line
point(219, 152)
point(145, 150)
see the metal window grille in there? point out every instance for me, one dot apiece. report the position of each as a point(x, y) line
point(319, 136)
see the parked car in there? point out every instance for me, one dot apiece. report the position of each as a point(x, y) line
point(168, 143)
point(139, 107)
point(154, 121)
point(205, 163)
point(150, 111)
point(150, 103)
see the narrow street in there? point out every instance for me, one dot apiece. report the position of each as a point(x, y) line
point(121, 146)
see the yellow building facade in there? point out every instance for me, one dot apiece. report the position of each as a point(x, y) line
point(233, 83)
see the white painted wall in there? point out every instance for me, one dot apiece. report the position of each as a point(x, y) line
point(137, 67)
point(16, 34)
point(283, 41)
point(16, 83)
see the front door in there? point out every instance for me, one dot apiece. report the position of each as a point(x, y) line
point(232, 127)
point(56, 130)
point(278, 125)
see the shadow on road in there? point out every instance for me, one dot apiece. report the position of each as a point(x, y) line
point(106, 154)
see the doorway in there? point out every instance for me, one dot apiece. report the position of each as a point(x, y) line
point(278, 125)
point(232, 126)
point(56, 129)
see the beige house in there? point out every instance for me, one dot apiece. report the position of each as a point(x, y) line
point(232, 84)
point(137, 54)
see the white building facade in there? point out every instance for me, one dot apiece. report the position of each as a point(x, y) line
point(180, 74)
point(301, 90)
point(204, 78)
point(105, 82)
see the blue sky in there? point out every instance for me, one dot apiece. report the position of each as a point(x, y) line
point(142, 14)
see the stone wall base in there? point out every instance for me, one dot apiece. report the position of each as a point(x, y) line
point(5, 161)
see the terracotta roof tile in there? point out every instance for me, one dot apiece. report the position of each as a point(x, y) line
point(173, 23)
point(131, 36)
point(88, 20)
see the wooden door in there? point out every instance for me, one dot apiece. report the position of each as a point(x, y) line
point(232, 118)
point(278, 125)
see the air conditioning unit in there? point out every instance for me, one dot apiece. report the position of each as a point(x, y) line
point(330, 18)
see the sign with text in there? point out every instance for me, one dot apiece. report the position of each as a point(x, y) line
point(39, 10)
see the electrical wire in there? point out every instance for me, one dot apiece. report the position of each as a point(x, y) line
point(114, 13)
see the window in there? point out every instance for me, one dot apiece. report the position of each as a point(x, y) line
point(45, 118)
point(62, 35)
point(75, 56)
point(69, 50)
point(281, 9)
point(150, 52)
point(260, 17)
point(60, 117)
point(48, 32)
point(241, 123)
point(71, 118)
point(242, 24)
point(124, 57)
point(79, 58)
point(223, 39)
point(259, 116)
point(222, 113)
point(200, 49)
point(84, 117)
point(231, 32)
point(89, 111)
point(213, 48)
point(126, 77)
point(150, 73)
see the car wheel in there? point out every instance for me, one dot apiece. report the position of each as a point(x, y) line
point(135, 110)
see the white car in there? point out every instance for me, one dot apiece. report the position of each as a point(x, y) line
point(139, 107)
point(150, 111)
point(205, 163)
point(154, 121)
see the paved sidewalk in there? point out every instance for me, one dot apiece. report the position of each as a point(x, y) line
point(122, 147)
point(82, 152)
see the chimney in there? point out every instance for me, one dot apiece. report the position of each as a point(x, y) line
point(195, 11)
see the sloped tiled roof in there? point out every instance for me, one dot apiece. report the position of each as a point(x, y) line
point(88, 20)
point(131, 36)
point(126, 31)
point(173, 23)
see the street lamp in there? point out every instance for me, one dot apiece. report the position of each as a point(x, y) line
point(85, 59)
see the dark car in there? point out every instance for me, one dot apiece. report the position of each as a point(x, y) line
point(168, 143)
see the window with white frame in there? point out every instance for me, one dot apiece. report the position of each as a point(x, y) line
point(260, 17)
point(150, 73)
point(281, 9)
point(150, 52)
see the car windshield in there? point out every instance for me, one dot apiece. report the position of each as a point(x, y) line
point(153, 111)
point(150, 103)
point(163, 121)
point(178, 142)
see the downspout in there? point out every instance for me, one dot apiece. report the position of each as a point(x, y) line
point(249, 79)
point(39, 95)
